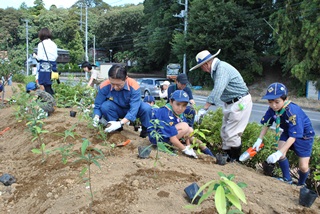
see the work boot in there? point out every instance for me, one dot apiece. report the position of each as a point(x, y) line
point(234, 153)
point(144, 132)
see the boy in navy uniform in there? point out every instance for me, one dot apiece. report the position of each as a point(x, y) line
point(297, 132)
point(151, 101)
point(181, 84)
point(174, 124)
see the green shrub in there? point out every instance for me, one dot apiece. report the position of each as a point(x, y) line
point(18, 78)
point(28, 79)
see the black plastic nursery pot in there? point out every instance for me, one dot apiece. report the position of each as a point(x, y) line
point(268, 168)
point(73, 113)
point(307, 197)
point(221, 158)
point(144, 151)
point(191, 191)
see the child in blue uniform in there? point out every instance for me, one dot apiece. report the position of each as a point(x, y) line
point(151, 101)
point(297, 132)
point(174, 125)
point(181, 84)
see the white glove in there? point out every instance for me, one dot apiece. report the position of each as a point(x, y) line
point(274, 157)
point(189, 151)
point(96, 121)
point(257, 144)
point(114, 126)
point(200, 114)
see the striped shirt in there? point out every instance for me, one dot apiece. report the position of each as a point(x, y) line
point(228, 83)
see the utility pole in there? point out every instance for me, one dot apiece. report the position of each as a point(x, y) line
point(94, 49)
point(81, 16)
point(86, 34)
point(184, 14)
point(27, 41)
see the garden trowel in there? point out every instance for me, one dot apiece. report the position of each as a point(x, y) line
point(124, 143)
point(249, 153)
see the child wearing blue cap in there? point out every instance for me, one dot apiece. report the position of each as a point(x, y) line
point(151, 101)
point(297, 135)
point(174, 125)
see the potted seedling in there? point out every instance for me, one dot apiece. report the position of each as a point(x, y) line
point(228, 194)
point(161, 146)
point(74, 103)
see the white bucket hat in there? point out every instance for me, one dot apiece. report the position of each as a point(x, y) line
point(203, 57)
point(165, 83)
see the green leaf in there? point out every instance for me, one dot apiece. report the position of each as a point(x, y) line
point(203, 197)
point(202, 188)
point(234, 200)
point(43, 146)
point(231, 177)
point(190, 206)
point(84, 146)
point(162, 147)
point(220, 201)
point(221, 174)
point(96, 163)
point(202, 135)
point(235, 189)
point(36, 151)
point(242, 185)
point(83, 171)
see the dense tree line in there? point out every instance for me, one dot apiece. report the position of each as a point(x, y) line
point(245, 30)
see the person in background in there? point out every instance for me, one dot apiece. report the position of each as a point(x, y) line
point(47, 102)
point(181, 84)
point(46, 56)
point(1, 86)
point(174, 126)
point(10, 79)
point(119, 101)
point(297, 134)
point(163, 93)
point(95, 74)
point(151, 101)
point(230, 88)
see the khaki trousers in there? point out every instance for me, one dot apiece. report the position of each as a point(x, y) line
point(235, 119)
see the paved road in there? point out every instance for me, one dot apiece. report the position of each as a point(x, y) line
point(258, 111)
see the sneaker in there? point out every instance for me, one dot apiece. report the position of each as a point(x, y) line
point(285, 180)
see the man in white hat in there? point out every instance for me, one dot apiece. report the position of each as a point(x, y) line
point(230, 88)
point(163, 93)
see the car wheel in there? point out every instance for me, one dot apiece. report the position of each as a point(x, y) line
point(146, 93)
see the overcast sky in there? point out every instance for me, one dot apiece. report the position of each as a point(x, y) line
point(60, 3)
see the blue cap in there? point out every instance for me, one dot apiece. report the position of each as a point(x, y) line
point(31, 86)
point(149, 99)
point(180, 96)
point(182, 78)
point(275, 90)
